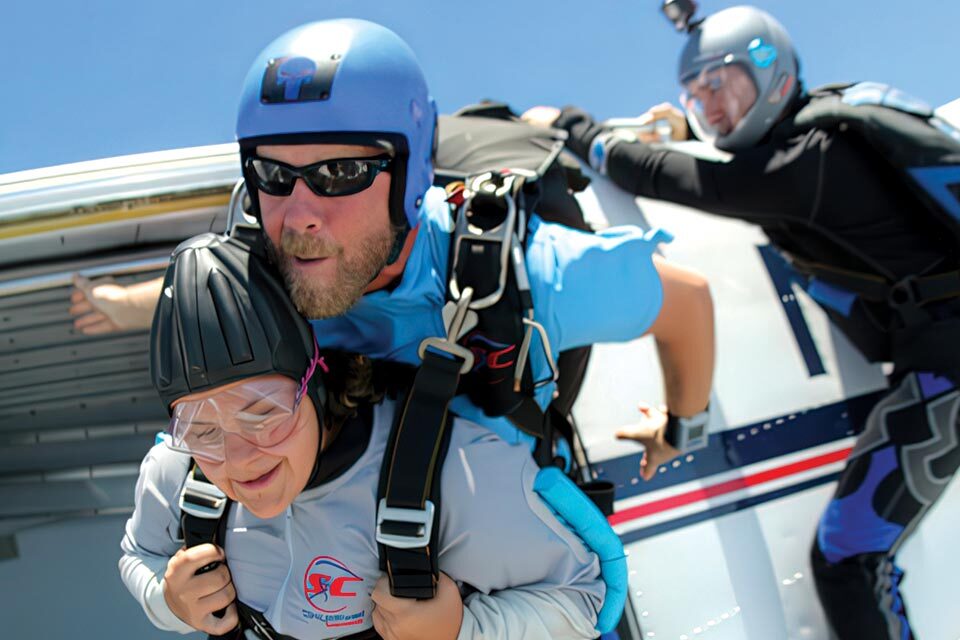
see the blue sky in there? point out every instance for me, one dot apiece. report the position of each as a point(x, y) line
point(99, 78)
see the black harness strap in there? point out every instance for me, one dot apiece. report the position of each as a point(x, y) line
point(202, 507)
point(922, 289)
point(409, 505)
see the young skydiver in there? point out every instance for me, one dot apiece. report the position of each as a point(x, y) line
point(297, 442)
point(853, 183)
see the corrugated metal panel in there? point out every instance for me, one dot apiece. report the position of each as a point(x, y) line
point(77, 413)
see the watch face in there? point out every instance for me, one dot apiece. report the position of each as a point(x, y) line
point(696, 432)
point(688, 434)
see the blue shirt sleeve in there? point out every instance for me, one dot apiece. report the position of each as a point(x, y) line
point(591, 288)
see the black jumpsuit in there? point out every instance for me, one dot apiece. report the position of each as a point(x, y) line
point(826, 197)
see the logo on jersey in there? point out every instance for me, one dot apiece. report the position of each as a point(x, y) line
point(329, 586)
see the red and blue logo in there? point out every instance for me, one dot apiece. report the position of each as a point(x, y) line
point(328, 585)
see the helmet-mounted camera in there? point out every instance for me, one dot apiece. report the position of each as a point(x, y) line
point(680, 13)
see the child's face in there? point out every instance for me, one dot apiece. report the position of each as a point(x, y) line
point(263, 448)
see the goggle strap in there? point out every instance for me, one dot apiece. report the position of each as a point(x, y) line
point(314, 361)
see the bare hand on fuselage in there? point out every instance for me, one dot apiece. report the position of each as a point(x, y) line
point(650, 433)
point(194, 598)
point(407, 619)
point(102, 306)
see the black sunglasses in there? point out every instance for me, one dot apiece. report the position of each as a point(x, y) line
point(330, 178)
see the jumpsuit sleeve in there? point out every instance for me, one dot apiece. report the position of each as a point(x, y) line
point(763, 184)
point(590, 288)
point(527, 574)
point(151, 536)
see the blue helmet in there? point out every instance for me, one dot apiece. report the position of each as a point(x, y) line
point(346, 82)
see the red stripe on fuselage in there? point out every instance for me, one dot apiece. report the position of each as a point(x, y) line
point(722, 488)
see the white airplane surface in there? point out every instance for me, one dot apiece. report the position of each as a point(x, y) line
point(718, 540)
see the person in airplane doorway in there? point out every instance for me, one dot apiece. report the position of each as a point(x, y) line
point(857, 185)
point(337, 132)
point(257, 511)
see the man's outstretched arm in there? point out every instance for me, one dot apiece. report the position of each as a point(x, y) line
point(101, 306)
point(684, 333)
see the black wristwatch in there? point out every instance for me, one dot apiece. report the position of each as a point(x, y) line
point(688, 434)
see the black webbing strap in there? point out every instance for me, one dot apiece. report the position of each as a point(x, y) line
point(409, 506)
point(529, 418)
point(918, 289)
point(543, 425)
point(203, 511)
point(202, 507)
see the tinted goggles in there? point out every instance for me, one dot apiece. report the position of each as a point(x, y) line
point(330, 178)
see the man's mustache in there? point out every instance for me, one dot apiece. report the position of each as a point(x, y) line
point(307, 246)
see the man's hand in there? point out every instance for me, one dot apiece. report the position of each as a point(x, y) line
point(408, 619)
point(673, 116)
point(102, 306)
point(193, 598)
point(541, 116)
point(650, 433)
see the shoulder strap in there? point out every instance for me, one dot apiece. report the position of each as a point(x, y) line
point(203, 510)
point(408, 508)
point(202, 507)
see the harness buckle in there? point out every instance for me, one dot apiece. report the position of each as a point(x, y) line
point(462, 315)
point(422, 518)
point(904, 293)
point(532, 325)
point(499, 186)
point(202, 499)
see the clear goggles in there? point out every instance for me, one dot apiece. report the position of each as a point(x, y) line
point(717, 99)
point(262, 411)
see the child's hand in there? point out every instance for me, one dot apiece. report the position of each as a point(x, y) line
point(408, 619)
point(193, 598)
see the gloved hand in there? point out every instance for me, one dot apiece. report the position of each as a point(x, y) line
point(650, 433)
point(407, 619)
point(194, 598)
point(102, 306)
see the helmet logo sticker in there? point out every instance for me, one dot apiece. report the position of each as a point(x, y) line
point(298, 79)
point(293, 73)
point(762, 54)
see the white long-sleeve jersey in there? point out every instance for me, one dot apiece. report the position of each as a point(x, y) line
point(311, 570)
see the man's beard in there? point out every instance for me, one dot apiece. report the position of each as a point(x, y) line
point(317, 299)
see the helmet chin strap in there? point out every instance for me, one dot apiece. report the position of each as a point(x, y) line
point(399, 240)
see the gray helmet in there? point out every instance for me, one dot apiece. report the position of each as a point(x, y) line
point(758, 44)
